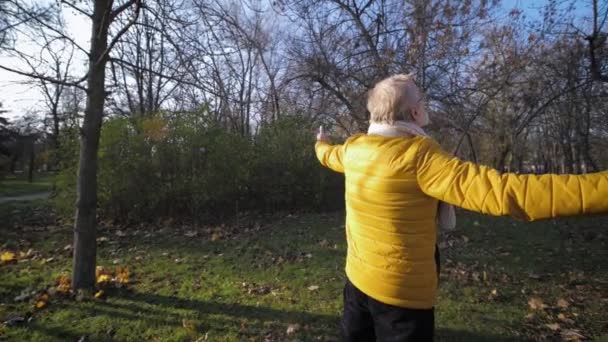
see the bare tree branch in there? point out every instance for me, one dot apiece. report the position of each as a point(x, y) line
point(46, 78)
point(76, 8)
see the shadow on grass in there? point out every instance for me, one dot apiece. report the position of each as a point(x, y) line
point(226, 318)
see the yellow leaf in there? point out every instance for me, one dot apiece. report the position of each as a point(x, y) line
point(42, 301)
point(7, 257)
point(63, 284)
point(103, 275)
point(103, 278)
point(99, 294)
point(122, 275)
point(100, 270)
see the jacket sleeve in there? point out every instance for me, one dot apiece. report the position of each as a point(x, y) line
point(485, 190)
point(330, 156)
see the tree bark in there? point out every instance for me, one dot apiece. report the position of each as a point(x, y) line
point(30, 169)
point(85, 230)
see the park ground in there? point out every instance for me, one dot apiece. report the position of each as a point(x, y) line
point(279, 278)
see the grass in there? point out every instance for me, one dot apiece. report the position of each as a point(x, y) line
point(13, 186)
point(252, 282)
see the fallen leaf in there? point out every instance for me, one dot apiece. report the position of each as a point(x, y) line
point(536, 303)
point(190, 234)
point(12, 321)
point(572, 335)
point(7, 257)
point(562, 303)
point(553, 326)
point(216, 236)
point(63, 284)
point(465, 238)
point(99, 294)
point(104, 278)
point(292, 329)
point(565, 319)
point(313, 288)
point(23, 296)
point(188, 324)
point(262, 290)
point(41, 301)
point(122, 275)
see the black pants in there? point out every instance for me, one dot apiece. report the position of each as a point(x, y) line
point(437, 261)
point(366, 319)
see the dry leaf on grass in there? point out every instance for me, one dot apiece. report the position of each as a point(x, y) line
point(562, 303)
point(122, 275)
point(536, 303)
point(42, 301)
point(63, 284)
point(292, 329)
point(7, 257)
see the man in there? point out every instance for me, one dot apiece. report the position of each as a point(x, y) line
point(395, 175)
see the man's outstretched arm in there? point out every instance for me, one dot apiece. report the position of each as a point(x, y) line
point(529, 197)
point(330, 156)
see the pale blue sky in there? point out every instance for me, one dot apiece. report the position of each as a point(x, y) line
point(20, 98)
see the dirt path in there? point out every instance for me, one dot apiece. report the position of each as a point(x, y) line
point(26, 197)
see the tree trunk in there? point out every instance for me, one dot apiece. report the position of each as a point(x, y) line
point(85, 244)
point(30, 169)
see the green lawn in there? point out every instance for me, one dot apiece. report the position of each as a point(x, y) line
point(254, 281)
point(12, 186)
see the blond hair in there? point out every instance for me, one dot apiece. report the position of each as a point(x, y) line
point(392, 99)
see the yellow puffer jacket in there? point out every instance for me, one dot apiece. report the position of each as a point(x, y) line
point(392, 188)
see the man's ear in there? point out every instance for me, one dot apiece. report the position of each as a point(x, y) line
point(420, 116)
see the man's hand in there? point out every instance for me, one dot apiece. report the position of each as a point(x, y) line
point(321, 135)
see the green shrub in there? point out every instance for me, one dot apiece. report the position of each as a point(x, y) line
point(185, 168)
